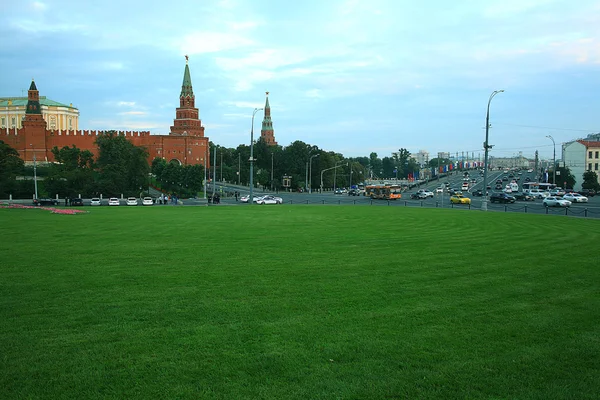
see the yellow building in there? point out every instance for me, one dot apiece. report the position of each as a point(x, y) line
point(58, 116)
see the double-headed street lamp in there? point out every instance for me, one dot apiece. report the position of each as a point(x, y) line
point(251, 198)
point(553, 160)
point(486, 146)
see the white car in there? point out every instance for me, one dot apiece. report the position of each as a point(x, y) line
point(268, 199)
point(147, 201)
point(95, 202)
point(113, 201)
point(552, 201)
point(244, 199)
point(439, 190)
point(132, 201)
point(575, 198)
point(426, 193)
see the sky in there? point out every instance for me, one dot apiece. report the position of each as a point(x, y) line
point(353, 77)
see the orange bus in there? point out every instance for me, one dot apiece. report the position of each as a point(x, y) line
point(384, 192)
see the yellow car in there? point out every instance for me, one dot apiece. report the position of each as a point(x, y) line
point(460, 199)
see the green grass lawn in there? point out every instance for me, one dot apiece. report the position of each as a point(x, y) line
point(298, 302)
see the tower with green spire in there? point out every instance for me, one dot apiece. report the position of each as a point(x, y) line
point(187, 121)
point(266, 132)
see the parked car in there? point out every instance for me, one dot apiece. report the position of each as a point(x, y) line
point(588, 192)
point(45, 202)
point(132, 201)
point(552, 201)
point(76, 202)
point(460, 199)
point(268, 199)
point(523, 196)
point(96, 202)
point(502, 197)
point(575, 198)
point(113, 201)
point(147, 201)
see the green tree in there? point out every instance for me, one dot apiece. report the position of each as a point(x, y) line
point(123, 168)
point(590, 180)
point(563, 174)
point(72, 173)
point(11, 165)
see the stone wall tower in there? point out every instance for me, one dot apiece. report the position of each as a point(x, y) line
point(187, 121)
point(266, 132)
point(34, 127)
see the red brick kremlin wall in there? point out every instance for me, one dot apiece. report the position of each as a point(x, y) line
point(187, 150)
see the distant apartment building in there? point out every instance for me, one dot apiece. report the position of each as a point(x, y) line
point(511, 162)
point(582, 155)
point(422, 157)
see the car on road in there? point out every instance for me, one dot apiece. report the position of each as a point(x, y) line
point(553, 201)
point(588, 192)
point(244, 199)
point(132, 201)
point(268, 199)
point(95, 201)
point(45, 202)
point(522, 196)
point(558, 192)
point(147, 201)
point(460, 199)
point(340, 191)
point(575, 198)
point(76, 201)
point(439, 190)
point(477, 193)
point(426, 192)
point(113, 201)
point(353, 192)
point(502, 197)
point(418, 196)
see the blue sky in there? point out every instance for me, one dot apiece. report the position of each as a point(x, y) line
point(348, 76)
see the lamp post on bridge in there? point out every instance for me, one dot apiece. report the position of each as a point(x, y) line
point(310, 172)
point(486, 146)
point(251, 198)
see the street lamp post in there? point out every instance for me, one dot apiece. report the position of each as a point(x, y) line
point(486, 146)
point(251, 198)
point(205, 162)
point(328, 169)
point(553, 160)
point(310, 172)
point(272, 172)
point(34, 172)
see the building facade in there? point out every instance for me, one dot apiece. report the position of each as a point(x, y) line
point(581, 156)
point(266, 132)
point(58, 116)
point(38, 132)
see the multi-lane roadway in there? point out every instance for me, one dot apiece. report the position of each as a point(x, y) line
point(590, 209)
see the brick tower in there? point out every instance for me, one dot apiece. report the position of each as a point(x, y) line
point(34, 127)
point(266, 133)
point(187, 122)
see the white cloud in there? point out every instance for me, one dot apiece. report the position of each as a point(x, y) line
point(38, 6)
point(133, 113)
point(125, 103)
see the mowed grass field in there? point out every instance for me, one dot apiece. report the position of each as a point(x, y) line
point(282, 302)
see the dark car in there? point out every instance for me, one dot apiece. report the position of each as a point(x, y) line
point(498, 187)
point(523, 196)
point(501, 198)
point(45, 202)
point(76, 202)
point(587, 192)
point(527, 179)
point(353, 192)
point(477, 193)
